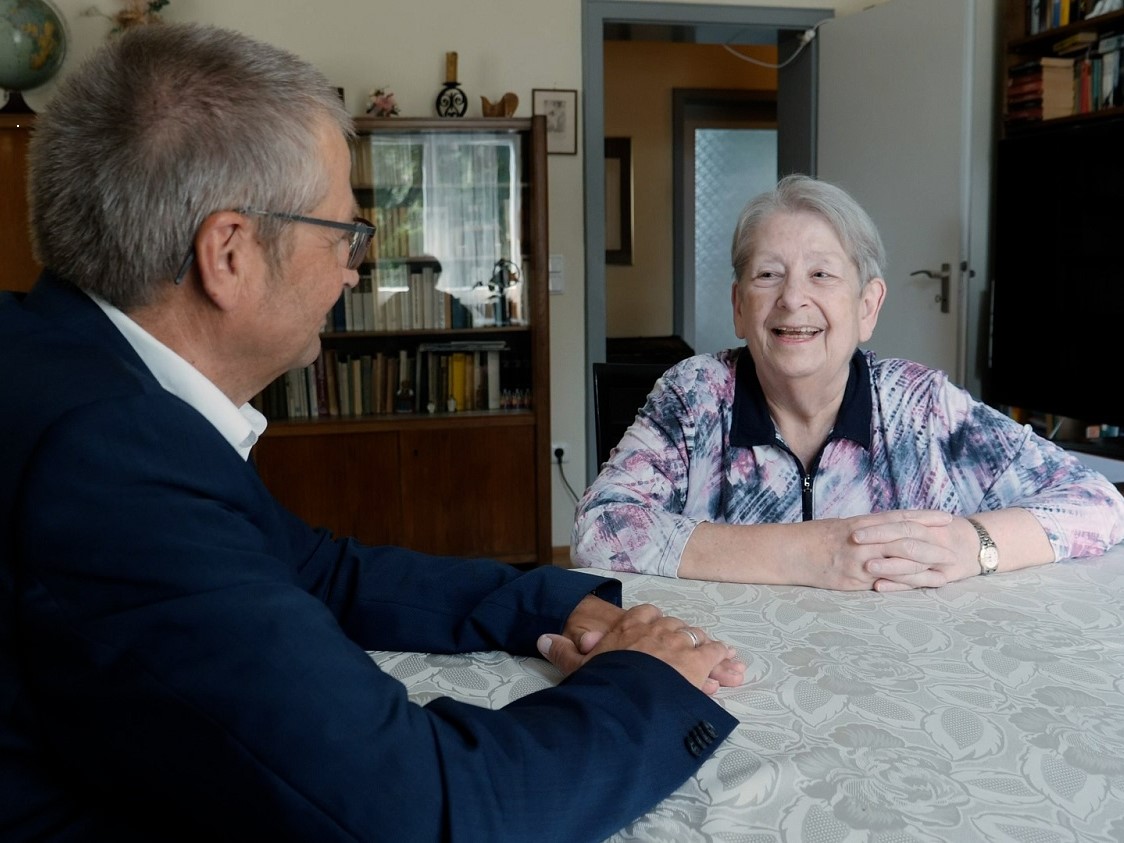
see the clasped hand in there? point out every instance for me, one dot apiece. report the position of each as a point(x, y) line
point(897, 550)
point(596, 626)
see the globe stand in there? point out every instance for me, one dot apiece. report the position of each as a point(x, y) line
point(16, 104)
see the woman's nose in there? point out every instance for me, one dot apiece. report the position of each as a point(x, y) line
point(793, 291)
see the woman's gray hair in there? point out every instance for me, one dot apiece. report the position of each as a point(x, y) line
point(853, 226)
point(164, 126)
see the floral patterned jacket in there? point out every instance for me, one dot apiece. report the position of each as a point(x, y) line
point(704, 448)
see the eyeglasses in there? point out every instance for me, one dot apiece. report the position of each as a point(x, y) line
point(361, 233)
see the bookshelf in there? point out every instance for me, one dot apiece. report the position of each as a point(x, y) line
point(1094, 53)
point(1057, 188)
point(426, 420)
point(20, 269)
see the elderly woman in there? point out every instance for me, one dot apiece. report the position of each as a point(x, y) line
point(800, 459)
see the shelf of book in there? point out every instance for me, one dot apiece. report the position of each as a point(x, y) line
point(1062, 65)
point(433, 381)
point(1024, 38)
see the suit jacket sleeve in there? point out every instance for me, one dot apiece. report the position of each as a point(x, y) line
point(197, 658)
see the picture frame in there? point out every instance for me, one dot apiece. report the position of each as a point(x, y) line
point(560, 107)
point(618, 201)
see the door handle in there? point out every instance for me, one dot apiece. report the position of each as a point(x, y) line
point(945, 276)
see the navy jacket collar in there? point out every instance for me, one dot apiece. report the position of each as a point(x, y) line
point(61, 305)
point(752, 425)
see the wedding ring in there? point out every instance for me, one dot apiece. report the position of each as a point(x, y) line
point(690, 633)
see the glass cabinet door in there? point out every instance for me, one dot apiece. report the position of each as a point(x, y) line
point(447, 206)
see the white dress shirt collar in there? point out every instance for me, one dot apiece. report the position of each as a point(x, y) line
point(240, 426)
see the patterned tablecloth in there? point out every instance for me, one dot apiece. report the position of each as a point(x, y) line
point(988, 710)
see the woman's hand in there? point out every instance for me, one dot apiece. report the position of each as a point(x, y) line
point(907, 549)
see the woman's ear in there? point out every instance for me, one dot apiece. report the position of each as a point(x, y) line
point(870, 304)
point(226, 252)
point(736, 305)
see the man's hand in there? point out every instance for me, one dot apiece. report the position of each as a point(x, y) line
point(597, 629)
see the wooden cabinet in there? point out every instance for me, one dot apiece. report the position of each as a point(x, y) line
point(18, 269)
point(383, 439)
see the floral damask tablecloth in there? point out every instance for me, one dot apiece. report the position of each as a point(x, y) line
point(990, 709)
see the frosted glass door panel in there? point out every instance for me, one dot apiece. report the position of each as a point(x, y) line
point(731, 166)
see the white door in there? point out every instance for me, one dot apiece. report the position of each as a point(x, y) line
point(904, 125)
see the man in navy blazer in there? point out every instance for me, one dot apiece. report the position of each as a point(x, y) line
point(181, 658)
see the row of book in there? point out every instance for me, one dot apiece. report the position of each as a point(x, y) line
point(407, 297)
point(399, 231)
point(1049, 87)
point(437, 378)
point(1044, 15)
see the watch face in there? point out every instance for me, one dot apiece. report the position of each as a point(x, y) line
point(989, 559)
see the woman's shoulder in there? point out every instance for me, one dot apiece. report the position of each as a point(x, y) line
point(700, 382)
point(898, 371)
point(703, 370)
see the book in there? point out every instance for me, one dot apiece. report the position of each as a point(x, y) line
point(1110, 80)
point(1034, 16)
point(457, 380)
point(404, 394)
point(327, 362)
point(493, 380)
point(1076, 43)
point(1085, 86)
point(343, 382)
point(1041, 89)
point(321, 390)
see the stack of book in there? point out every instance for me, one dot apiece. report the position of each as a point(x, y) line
point(1040, 89)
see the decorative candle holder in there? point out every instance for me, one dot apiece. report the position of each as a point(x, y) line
point(451, 100)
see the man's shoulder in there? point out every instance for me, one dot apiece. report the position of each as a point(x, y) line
point(53, 361)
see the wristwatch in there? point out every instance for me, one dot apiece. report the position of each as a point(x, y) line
point(989, 553)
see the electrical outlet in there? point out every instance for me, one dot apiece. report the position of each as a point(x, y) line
point(555, 447)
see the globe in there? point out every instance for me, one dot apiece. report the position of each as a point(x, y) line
point(32, 47)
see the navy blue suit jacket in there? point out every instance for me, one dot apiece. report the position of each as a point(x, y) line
point(182, 658)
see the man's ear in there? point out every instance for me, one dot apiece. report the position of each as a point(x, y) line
point(226, 254)
point(870, 304)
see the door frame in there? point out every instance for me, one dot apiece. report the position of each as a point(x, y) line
point(707, 23)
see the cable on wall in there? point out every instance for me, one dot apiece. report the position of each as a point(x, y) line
point(806, 38)
point(562, 474)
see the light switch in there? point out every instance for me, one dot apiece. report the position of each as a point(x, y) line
point(557, 281)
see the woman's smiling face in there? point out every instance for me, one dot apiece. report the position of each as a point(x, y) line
point(799, 304)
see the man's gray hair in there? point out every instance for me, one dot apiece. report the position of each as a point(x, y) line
point(852, 225)
point(159, 129)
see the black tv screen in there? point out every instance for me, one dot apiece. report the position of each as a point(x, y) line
point(1057, 318)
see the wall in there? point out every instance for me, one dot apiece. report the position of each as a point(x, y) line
point(503, 45)
point(639, 78)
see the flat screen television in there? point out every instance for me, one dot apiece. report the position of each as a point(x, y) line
point(1057, 308)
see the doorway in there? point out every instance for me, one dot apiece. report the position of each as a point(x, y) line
point(604, 20)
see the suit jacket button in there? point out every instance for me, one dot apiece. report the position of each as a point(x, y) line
point(700, 736)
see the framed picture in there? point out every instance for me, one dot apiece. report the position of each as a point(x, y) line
point(561, 109)
point(618, 201)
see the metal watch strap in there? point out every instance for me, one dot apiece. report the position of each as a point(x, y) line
point(989, 553)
